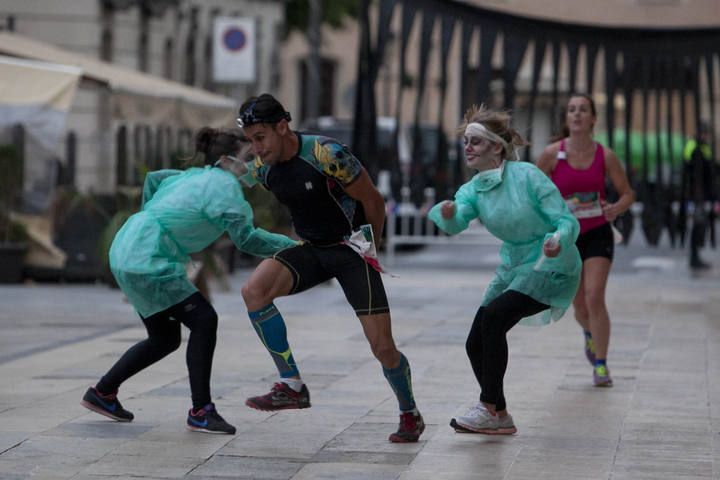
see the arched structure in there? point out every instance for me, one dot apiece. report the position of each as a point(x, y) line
point(669, 71)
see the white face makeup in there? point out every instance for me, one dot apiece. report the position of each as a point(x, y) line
point(479, 153)
point(483, 148)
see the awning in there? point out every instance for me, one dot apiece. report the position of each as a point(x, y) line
point(138, 97)
point(37, 95)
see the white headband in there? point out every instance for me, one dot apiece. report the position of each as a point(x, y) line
point(478, 130)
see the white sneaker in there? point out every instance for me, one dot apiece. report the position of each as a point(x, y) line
point(478, 419)
point(506, 426)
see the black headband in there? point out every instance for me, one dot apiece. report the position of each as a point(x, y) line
point(262, 109)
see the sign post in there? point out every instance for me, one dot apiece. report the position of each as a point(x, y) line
point(234, 50)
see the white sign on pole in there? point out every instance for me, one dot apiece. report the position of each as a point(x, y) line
point(234, 49)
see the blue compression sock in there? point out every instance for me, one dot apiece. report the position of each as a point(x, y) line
point(400, 380)
point(270, 327)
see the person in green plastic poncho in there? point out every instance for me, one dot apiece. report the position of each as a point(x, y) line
point(182, 212)
point(540, 265)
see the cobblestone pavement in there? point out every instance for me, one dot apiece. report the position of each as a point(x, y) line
point(661, 420)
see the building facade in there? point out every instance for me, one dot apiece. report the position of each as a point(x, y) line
point(166, 39)
point(340, 48)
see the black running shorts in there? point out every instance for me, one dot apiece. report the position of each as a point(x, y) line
point(597, 242)
point(311, 265)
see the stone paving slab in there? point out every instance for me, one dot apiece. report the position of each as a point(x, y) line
point(348, 471)
point(661, 420)
point(138, 466)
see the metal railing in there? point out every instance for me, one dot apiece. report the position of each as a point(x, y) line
point(409, 225)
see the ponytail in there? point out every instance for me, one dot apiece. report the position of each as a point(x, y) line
point(213, 143)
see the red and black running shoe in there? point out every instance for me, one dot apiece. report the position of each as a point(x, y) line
point(410, 428)
point(281, 397)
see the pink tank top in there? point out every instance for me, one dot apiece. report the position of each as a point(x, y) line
point(582, 189)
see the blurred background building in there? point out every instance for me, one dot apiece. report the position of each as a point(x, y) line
point(97, 92)
point(107, 145)
point(339, 51)
point(161, 52)
point(94, 93)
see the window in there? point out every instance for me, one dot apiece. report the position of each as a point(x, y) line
point(326, 95)
point(148, 145)
point(67, 172)
point(121, 167)
point(169, 58)
point(138, 164)
point(471, 86)
point(190, 48)
point(208, 57)
point(160, 148)
point(184, 142)
point(144, 40)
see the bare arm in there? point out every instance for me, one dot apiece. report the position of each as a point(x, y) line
point(363, 190)
point(619, 179)
point(548, 158)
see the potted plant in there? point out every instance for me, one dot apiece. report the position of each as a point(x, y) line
point(127, 202)
point(13, 235)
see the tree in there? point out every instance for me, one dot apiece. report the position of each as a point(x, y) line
point(308, 17)
point(334, 13)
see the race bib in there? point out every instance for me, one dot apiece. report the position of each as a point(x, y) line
point(362, 242)
point(584, 204)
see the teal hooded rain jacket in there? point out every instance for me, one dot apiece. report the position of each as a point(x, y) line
point(183, 212)
point(524, 210)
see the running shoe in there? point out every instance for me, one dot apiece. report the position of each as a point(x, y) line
point(506, 426)
point(281, 397)
point(458, 428)
point(590, 351)
point(107, 405)
point(411, 427)
point(601, 376)
point(208, 420)
point(478, 420)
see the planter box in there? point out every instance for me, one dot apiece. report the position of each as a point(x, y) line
point(12, 257)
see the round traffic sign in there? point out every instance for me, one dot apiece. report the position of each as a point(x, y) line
point(234, 38)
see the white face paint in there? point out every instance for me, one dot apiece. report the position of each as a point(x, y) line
point(483, 149)
point(479, 153)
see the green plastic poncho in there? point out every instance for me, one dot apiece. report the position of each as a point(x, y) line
point(523, 211)
point(183, 212)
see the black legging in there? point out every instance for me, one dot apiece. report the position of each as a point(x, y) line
point(164, 338)
point(487, 346)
